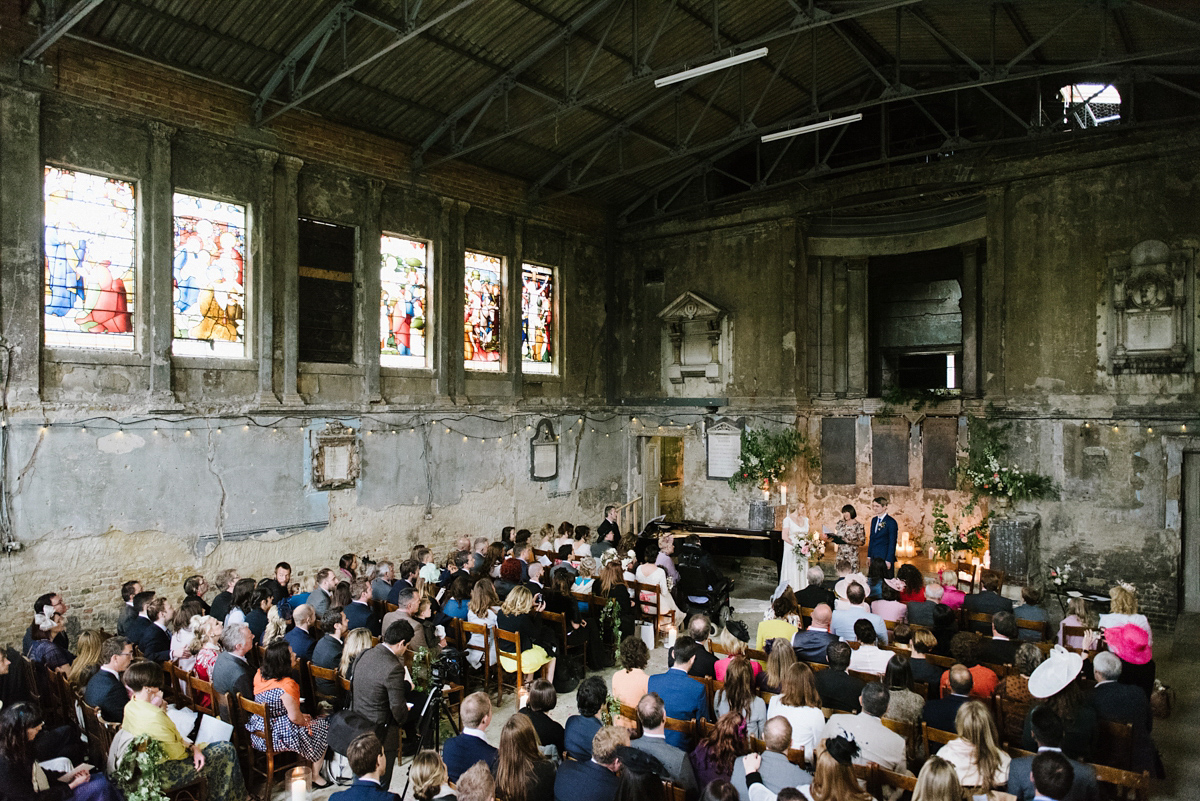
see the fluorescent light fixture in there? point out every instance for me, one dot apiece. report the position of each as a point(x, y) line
point(816, 126)
point(740, 58)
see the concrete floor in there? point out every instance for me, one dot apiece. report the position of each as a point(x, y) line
point(1178, 657)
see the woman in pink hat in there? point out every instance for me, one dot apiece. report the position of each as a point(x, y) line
point(1131, 643)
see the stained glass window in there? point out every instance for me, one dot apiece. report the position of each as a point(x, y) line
point(403, 312)
point(210, 273)
point(91, 235)
point(537, 319)
point(481, 312)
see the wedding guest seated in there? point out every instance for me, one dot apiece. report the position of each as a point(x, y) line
point(327, 653)
point(1125, 703)
point(23, 779)
point(920, 613)
point(734, 645)
point(196, 587)
point(1048, 732)
point(684, 698)
point(1131, 644)
point(815, 593)
point(1057, 683)
point(471, 746)
point(965, 648)
point(259, 615)
point(904, 704)
point(738, 695)
point(44, 647)
point(183, 762)
point(940, 713)
point(154, 641)
point(889, 606)
point(291, 728)
point(460, 597)
point(581, 728)
point(868, 657)
point(1014, 689)
point(714, 755)
point(360, 615)
point(877, 743)
point(876, 570)
point(225, 582)
point(952, 596)
point(783, 624)
point(1081, 614)
point(629, 682)
point(1002, 647)
point(182, 628)
point(55, 601)
point(1031, 611)
point(365, 755)
point(231, 672)
point(523, 772)
point(775, 769)
point(105, 691)
point(595, 777)
point(300, 638)
point(945, 626)
point(800, 705)
point(854, 610)
point(781, 657)
point(705, 665)
point(923, 643)
point(675, 763)
point(810, 644)
point(988, 601)
point(980, 763)
point(430, 779)
point(87, 658)
point(127, 613)
point(902, 635)
point(838, 689)
point(847, 575)
point(542, 700)
point(477, 784)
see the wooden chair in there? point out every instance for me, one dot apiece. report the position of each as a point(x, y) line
point(817, 667)
point(647, 604)
point(865, 678)
point(1010, 717)
point(987, 571)
point(935, 736)
point(630, 714)
point(319, 674)
point(99, 735)
point(266, 762)
point(921, 688)
point(484, 671)
point(685, 727)
point(1139, 783)
point(882, 777)
point(971, 621)
point(1000, 670)
point(559, 622)
point(1073, 631)
point(755, 655)
point(519, 682)
point(201, 696)
point(674, 792)
point(906, 730)
point(1114, 744)
point(176, 691)
point(969, 569)
point(345, 684)
point(943, 662)
point(1042, 627)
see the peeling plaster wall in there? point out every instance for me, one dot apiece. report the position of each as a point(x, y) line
point(1047, 225)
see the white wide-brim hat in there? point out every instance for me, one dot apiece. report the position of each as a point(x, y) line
point(1060, 669)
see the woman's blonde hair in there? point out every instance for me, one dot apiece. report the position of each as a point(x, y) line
point(276, 626)
point(357, 641)
point(1124, 602)
point(547, 532)
point(730, 643)
point(428, 774)
point(518, 602)
point(203, 628)
point(782, 657)
point(87, 657)
point(483, 598)
point(974, 724)
point(938, 782)
point(833, 781)
point(1082, 609)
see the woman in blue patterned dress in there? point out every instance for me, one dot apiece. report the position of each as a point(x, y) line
point(291, 728)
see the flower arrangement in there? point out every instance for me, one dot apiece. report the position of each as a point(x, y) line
point(767, 457)
point(807, 545)
point(947, 540)
point(986, 471)
point(1061, 575)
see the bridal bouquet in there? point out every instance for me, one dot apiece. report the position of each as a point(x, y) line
point(807, 545)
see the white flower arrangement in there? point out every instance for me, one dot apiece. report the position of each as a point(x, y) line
point(1060, 576)
point(807, 545)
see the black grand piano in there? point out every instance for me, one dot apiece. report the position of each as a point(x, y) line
point(717, 540)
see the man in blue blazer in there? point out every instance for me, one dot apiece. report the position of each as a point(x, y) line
point(1048, 732)
point(301, 640)
point(581, 729)
point(105, 691)
point(812, 643)
point(683, 697)
point(154, 640)
point(358, 613)
point(940, 712)
point(366, 759)
point(595, 779)
point(461, 752)
point(884, 532)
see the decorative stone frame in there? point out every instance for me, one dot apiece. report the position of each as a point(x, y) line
point(543, 447)
point(336, 457)
point(1151, 308)
point(692, 321)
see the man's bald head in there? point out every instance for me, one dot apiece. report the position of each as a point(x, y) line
point(961, 680)
point(777, 734)
point(822, 615)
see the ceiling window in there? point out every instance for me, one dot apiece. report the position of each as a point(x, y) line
point(1087, 105)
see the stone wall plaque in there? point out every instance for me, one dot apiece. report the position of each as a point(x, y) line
point(543, 453)
point(723, 442)
point(1151, 300)
point(336, 459)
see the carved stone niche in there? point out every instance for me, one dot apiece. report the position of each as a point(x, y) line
point(1150, 294)
point(695, 328)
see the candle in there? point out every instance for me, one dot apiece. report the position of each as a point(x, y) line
point(672, 633)
point(766, 493)
point(298, 790)
point(987, 558)
point(783, 494)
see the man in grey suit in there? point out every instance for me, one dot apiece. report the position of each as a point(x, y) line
point(231, 673)
point(776, 771)
point(1048, 731)
point(321, 598)
point(653, 717)
point(379, 690)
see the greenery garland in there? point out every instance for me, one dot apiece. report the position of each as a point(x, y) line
point(610, 617)
point(768, 457)
point(139, 771)
point(987, 474)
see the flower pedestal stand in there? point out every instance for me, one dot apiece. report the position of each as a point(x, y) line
point(1014, 543)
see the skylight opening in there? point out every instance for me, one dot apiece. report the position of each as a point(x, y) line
point(1088, 105)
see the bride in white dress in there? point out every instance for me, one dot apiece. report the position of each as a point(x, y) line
point(794, 571)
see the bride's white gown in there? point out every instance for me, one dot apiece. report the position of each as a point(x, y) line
point(793, 571)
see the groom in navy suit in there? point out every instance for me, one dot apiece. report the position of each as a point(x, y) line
point(884, 532)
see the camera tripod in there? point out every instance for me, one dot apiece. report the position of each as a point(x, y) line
point(432, 714)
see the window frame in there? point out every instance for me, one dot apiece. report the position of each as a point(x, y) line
point(501, 364)
point(556, 326)
point(68, 353)
point(431, 321)
point(249, 305)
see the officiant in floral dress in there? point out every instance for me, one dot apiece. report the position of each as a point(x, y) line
point(852, 535)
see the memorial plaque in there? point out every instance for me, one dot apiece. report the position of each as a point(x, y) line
point(939, 438)
point(837, 450)
point(723, 449)
point(889, 451)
